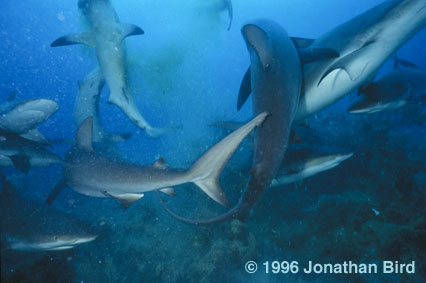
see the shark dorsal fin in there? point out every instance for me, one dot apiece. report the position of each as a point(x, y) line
point(161, 164)
point(83, 140)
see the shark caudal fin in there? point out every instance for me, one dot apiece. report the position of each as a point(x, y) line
point(206, 170)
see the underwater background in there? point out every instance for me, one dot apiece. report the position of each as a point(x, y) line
point(186, 70)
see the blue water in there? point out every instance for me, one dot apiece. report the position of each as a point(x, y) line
point(186, 70)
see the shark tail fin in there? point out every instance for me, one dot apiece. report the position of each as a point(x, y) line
point(206, 170)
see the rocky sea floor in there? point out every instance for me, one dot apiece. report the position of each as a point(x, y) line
point(369, 209)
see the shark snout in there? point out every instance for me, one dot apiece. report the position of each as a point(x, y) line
point(257, 40)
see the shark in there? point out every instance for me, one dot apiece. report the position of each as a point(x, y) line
point(106, 36)
point(364, 44)
point(24, 117)
point(30, 226)
point(274, 79)
point(302, 163)
point(87, 105)
point(405, 84)
point(22, 153)
point(97, 175)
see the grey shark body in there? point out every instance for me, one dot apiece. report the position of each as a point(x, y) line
point(275, 80)
point(29, 226)
point(364, 44)
point(22, 153)
point(405, 84)
point(87, 105)
point(299, 164)
point(106, 36)
point(23, 117)
point(93, 174)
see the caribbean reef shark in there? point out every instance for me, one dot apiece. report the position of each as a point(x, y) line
point(22, 153)
point(93, 174)
point(405, 84)
point(23, 117)
point(29, 226)
point(364, 44)
point(275, 77)
point(106, 36)
point(299, 164)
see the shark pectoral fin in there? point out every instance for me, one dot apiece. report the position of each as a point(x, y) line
point(83, 139)
point(124, 199)
point(60, 186)
point(402, 63)
point(206, 170)
point(129, 30)
point(21, 162)
point(300, 42)
point(11, 97)
point(85, 38)
point(245, 89)
point(168, 191)
point(160, 164)
point(36, 136)
point(346, 63)
point(312, 54)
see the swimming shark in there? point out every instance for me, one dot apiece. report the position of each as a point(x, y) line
point(30, 226)
point(87, 105)
point(404, 84)
point(275, 77)
point(106, 36)
point(364, 44)
point(23, 117)
point(299, 164)
point(22, 153)
point(93, 174)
